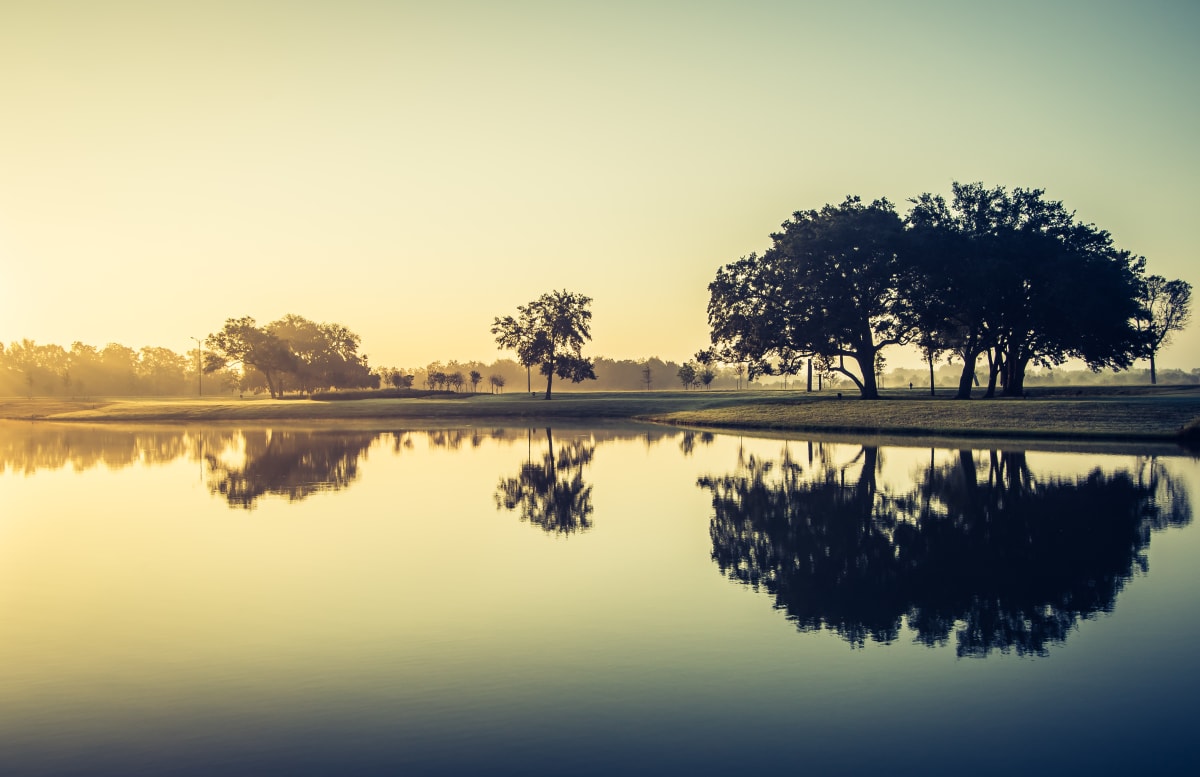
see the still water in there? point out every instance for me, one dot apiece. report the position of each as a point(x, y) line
point(613, 600)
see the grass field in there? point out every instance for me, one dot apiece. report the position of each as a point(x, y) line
point(1134, 413)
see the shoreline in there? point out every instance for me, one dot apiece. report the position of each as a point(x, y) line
point(1117, 414)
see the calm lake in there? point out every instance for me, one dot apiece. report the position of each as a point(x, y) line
point(201, 600)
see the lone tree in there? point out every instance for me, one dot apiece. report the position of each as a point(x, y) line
point(550, 332)
point(835, 283)
point(1166, 309)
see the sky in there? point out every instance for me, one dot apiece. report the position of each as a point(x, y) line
point(413, 170)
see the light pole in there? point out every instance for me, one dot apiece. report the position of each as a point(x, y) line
point(199, 374)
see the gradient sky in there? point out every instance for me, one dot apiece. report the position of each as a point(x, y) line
point(412, 170)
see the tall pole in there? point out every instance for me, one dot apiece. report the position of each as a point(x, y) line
point(199, 373)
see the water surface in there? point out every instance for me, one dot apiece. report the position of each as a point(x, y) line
point(291, 600)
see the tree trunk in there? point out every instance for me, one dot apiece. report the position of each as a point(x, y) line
point(994, 363)
point(932, 385)
point(967, 377)
point(866, 365)
point(549, 379)
point(1014, 376)
point(1153, 372)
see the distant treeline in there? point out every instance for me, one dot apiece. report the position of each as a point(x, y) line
point(31, 369)
point(506, 375)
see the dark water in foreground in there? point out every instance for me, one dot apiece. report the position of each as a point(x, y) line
point(223, 600)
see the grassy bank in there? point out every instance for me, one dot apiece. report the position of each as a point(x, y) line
point(1137, 413)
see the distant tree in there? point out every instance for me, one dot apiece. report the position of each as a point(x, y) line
point(497, 382)
point(706, 358)
point(475, 377)
point(399, 380)
point(326, 355)
point(550, 331)
point(242, 341)
point(455, 380)
point(1166, 310)
point(161, 370)
point(647, 376)
point(687, 375)
point(835, 282)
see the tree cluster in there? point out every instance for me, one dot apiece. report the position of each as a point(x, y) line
point(1008, 276)
point(291, 353)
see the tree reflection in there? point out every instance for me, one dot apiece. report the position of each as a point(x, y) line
point(28, 447)
point(293, 464)
point(989, 550)
point(551, 493)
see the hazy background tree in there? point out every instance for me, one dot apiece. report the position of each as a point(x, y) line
point(1166, 309)
point(687, 375)
point(325, 355)
point(241, 341)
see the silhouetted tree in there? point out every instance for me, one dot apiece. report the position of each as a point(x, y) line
point(497, 382)
point(475, 376)
point(835, 282)
point(1000, 273)
point(1166, 309)
point(550, 331)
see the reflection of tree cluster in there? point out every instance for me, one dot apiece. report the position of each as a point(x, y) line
point(987, 550)
point(30, 447)
point(551, 493)
point(289, 463)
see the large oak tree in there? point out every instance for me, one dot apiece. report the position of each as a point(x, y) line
point(1016, 277)
point(835, 283)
